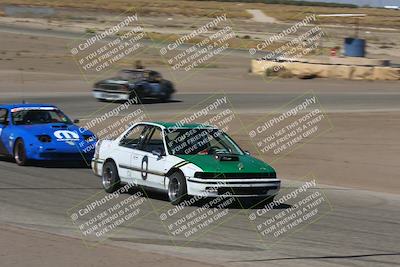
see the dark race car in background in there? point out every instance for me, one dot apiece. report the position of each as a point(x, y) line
point(131, 84)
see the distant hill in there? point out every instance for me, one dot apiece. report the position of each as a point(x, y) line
point(329, 3)
point(292, 2)
point(372, 3)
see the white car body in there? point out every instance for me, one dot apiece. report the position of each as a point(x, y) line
point(111, 96)
point(149, 170)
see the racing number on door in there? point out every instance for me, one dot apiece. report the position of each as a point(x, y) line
point(143, 171)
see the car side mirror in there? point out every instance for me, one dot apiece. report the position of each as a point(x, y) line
point(76, 121)
point(157, 153)
point(247, 152)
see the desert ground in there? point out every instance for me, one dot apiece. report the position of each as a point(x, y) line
point(355, 162)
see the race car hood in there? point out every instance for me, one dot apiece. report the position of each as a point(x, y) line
point(242, 164)
point(58, 131)
point(115, 80)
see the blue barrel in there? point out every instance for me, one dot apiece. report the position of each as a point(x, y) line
point(354, 47)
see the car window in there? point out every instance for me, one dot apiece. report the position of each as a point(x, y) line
point(154, 141)
point(3, 116)
point(25, 116)
point(200, 141)
point(130, 75)
point(134, 137)
point(154, 76)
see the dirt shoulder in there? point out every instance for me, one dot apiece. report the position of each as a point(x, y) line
point(360, 151)
point(33, 248)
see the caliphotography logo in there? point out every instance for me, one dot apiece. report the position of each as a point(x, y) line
point(102, 51)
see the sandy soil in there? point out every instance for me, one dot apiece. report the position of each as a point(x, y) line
point(382, 43)
point(259, 16)
point(361, 151)
point(34, 248)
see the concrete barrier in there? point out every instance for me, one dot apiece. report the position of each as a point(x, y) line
point(307, 70)
point(386, 73)
point(341, 72)
point(362, 73)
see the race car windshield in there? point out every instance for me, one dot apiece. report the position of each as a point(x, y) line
point(39, 116)
point(200, 142)
point(130, 75)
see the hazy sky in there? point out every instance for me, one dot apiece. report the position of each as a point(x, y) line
point(364, 2)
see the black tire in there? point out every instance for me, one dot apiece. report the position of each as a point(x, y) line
point(110, 178)
point(177, 189)
point(165, 97)
point(168, 89)
point(20, 153)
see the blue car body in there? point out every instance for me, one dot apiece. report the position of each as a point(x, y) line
point(44, 141)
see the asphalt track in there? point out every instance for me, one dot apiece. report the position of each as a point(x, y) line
point(360, 228)
point(82, 105)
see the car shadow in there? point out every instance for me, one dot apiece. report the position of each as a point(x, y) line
point(236, 203)
point(147, 101)
point(7, 159)
point(158, 101)
point(148, 193)
point(320, 258)
point(79, 164)
point(244, 203)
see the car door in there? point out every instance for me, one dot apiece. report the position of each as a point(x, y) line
point(126, 152)
point(153, 83)
point(4, 127)
point(151, 159)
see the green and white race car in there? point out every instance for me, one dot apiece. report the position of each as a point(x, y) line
point(182, 160)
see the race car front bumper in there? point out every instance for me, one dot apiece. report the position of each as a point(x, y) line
point(97, 166)
point(111, 96)
point(60, 151)
point(233, 187)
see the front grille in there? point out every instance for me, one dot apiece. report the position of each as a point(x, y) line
point(59, 126)
point(113, 87)
point(245, 190)
point(62, 156)
point(235, 175)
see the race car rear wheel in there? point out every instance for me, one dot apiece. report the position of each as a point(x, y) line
point(177, 190)
point(165, 97)
point(20, 153)
point(110, 178)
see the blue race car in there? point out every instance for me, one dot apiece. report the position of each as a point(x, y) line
point(42, 132)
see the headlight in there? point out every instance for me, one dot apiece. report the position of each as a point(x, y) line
point(97, 149)
point(44, 138)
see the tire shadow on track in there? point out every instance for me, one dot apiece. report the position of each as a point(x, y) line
point(237, 204)
point(61, 164)
point(51, 164)
point(145, 101)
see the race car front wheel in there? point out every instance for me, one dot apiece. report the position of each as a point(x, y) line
point(110, 178)
point(177, 190)
point(20, 153)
